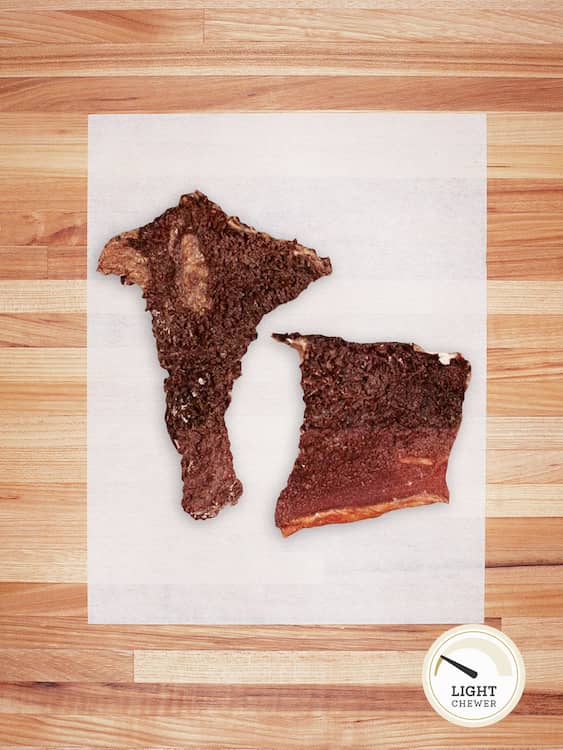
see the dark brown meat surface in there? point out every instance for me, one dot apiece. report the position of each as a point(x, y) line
point(208, 280)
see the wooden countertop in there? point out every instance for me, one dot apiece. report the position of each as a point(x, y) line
point(64, 683)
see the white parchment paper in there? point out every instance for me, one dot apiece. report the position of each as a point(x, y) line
point(398, 201)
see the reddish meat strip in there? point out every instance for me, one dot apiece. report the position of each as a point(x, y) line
point(380, 421)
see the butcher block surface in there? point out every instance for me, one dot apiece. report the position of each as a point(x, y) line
point(64, 683)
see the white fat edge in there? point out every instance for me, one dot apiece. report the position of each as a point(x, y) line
point(444, 357)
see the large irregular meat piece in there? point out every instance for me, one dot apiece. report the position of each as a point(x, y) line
point(208, 279)
point(380, 421)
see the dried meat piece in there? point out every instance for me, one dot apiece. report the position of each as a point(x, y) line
point(208, 280)
point(380, 421)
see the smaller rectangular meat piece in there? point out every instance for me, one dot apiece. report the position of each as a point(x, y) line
point(380, 421)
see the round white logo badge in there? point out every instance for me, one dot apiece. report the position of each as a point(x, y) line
point(473, 675)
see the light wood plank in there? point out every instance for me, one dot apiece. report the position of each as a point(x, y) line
point(43, 561)
point(23, 263)
point(524, 262)
point(43, 599)
point(42, 227)
point(57, 27)
point(281, 58)
point(174, 699)
point(18, 130)
point(509, 129)
point(74, 632)
point(49, 5)
point(526, 297)
point(521, 591)
point(31, 519)
point(44, 399)
point(525, 162)
point(271, 93)
point(42, 365)
point(362, 58)
point(526, 500)
point(527, 232)
point(36, 175)
point(525, 467)
point(524, 433)
point(279, 667)
point(35, 159)
point(535, 332)
point(214, 730)
point(82, 697)
point(42, 296)
point(63, 192)
point(43, 464)
point(42, 262)
point(524, 398)
point(43, 330)
point(348, 25)
point(58, 665)
point(36, 549)
point(524, 631)
point(538, 366)
point(66, 262)
point(524, 541)
point(49, 431)
point(543, 669)
point(49, 496)
point(508, 195)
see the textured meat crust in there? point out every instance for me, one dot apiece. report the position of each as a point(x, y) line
point(208, 279)
point(380, 421)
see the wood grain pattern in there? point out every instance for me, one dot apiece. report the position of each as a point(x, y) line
point(28, 599)
point(131, 26)
point(313, 668)
point(43, 365)
point(346, 26)
point(41, 227)
point(519, 590)
point(524, 433)
point(526, 500)
point(279, 667)
point(42, 296)
point(512, 195)
point(276, 728)
point(174, 699)
point(65, 683)
point(36, 262)
point(424, 58)
point(74, 632)
point(407, 5)
point(510, 331)
point(155, 93)
point(62, 665)
point(23, 263)
point(42, 330)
